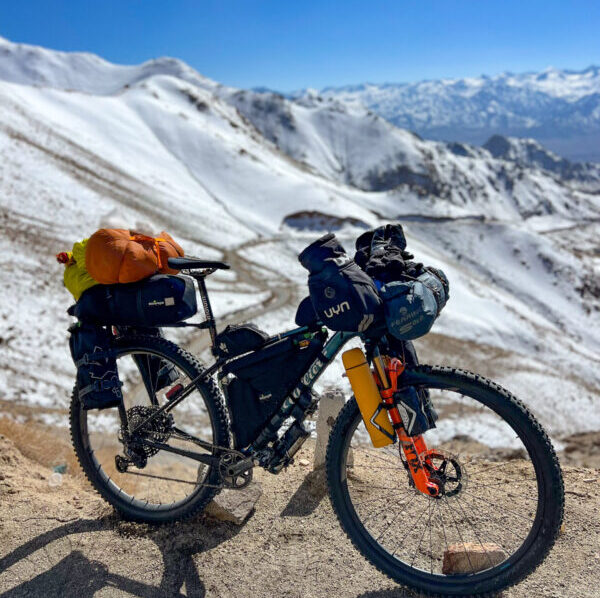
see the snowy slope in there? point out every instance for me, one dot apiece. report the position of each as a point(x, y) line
point(560, 108)
point(531, 154)
point(87, 73)
point(253, 177)
point(351, 145)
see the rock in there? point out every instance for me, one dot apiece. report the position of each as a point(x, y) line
point(329, 406)
point(303, 462)
point(470, 557)
point(235, 506)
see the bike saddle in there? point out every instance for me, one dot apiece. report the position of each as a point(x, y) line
point(194, 263)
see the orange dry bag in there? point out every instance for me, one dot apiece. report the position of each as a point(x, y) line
point(118, 255)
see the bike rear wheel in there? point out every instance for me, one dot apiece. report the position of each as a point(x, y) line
point(502, 504)
point(161, 486)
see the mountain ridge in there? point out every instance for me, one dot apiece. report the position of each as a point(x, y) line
point(558, 107)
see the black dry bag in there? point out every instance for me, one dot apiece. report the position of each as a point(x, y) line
point(343, 296)
point(159, 300)
point(98, 384)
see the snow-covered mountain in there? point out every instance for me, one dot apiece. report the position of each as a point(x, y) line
point(559, 108)
point(253, 177)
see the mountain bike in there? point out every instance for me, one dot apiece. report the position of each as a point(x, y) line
point(483, 487)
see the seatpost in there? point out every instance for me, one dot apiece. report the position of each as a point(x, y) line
point(210, 319)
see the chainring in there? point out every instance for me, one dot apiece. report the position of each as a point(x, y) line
point(236, 481)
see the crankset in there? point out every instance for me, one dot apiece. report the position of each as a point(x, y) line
point(236, 470)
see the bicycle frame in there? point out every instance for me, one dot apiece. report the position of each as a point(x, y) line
point(297, 404)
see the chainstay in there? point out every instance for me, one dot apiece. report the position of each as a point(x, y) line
point(158, 477)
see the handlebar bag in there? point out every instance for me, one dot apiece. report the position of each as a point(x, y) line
point(257, 384)
point(156, 301)
point(412, 306)
point(238, 339)
point(343, 296)
point(98, 383)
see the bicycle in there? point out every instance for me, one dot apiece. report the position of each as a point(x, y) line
point(159, 457)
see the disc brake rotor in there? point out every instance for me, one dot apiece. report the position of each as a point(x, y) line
point(445, 470)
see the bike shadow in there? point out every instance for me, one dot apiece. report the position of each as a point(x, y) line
point(75, 575)
point(308, 496)
point(400, 593)
point(394, 593)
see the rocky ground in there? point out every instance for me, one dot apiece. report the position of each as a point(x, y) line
point(61, 539)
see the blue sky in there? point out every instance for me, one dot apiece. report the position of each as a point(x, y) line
point(287, 45)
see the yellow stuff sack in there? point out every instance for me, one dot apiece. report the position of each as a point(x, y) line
point(76, 276)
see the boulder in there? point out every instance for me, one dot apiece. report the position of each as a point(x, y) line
point(235, 506)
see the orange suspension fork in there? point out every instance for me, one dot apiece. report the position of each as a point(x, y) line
point(414, 448)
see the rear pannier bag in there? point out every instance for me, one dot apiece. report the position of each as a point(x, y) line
point(257, 384)
point(98, 384)
point(343, 296)
point(237, 339)
point(412, 306)
point(157, 301)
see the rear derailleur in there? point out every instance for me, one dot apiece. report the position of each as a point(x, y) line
point(136, 450)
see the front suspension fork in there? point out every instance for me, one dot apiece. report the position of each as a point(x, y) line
point(414, 447)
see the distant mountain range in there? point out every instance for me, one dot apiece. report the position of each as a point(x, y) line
point(559, 108)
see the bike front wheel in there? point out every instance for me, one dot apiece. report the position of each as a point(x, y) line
point(501, 504)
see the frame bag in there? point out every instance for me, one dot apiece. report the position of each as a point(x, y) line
point(412, 306)
point(343, 296)
point(156, 301)
point(237, 339)
point(257, 384)
point(98, 383)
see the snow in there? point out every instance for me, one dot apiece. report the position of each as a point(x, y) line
point(560, 108)
point(84, 143)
